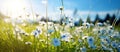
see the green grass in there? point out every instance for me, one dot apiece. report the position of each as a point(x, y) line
point(9, 43)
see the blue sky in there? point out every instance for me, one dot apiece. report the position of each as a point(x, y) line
point(94, 5)
point(84, 7)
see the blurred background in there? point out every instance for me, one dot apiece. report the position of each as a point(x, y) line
point(79, 10)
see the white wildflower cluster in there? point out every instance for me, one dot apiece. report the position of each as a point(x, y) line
point(18, 32)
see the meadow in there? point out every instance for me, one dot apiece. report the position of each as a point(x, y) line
point(51, 37)
point(26, 33)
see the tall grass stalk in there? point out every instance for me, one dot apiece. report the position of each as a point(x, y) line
point(34, 47)
point(46, 9)
point(30, 1)
point(115, 20)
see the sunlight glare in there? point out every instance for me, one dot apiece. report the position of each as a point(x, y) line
point(14, 8)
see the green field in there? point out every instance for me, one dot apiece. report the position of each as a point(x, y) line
point(19, 38)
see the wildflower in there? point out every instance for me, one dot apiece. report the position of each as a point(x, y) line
point(50, 25)
point(56, 42)
point(110, 27)
point(79, 30)
point(110, 32)
point(61, 7)
point(84, 37)
point(102, 31)
point(42, 23)
point(42, 40)
point(28, 43)
point(56, 26)
point(66, 37)
point(103, 46)
point(83, 49)
point(24, 33)
point(66, 20)
point(91, 24)
point(17, 29)
point(118, 48)
point(35, 33)
point(50, 31)
point(71, 24)
point(39, 31)
point(115, 35)
point(106, 40)
point(106, 48)
point(87, 25)
point(114, 44)
point(90, 41)
point(63, 36)
point(99, 24)
point(95, 30)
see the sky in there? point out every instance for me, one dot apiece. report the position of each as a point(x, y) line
point(84, 7)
